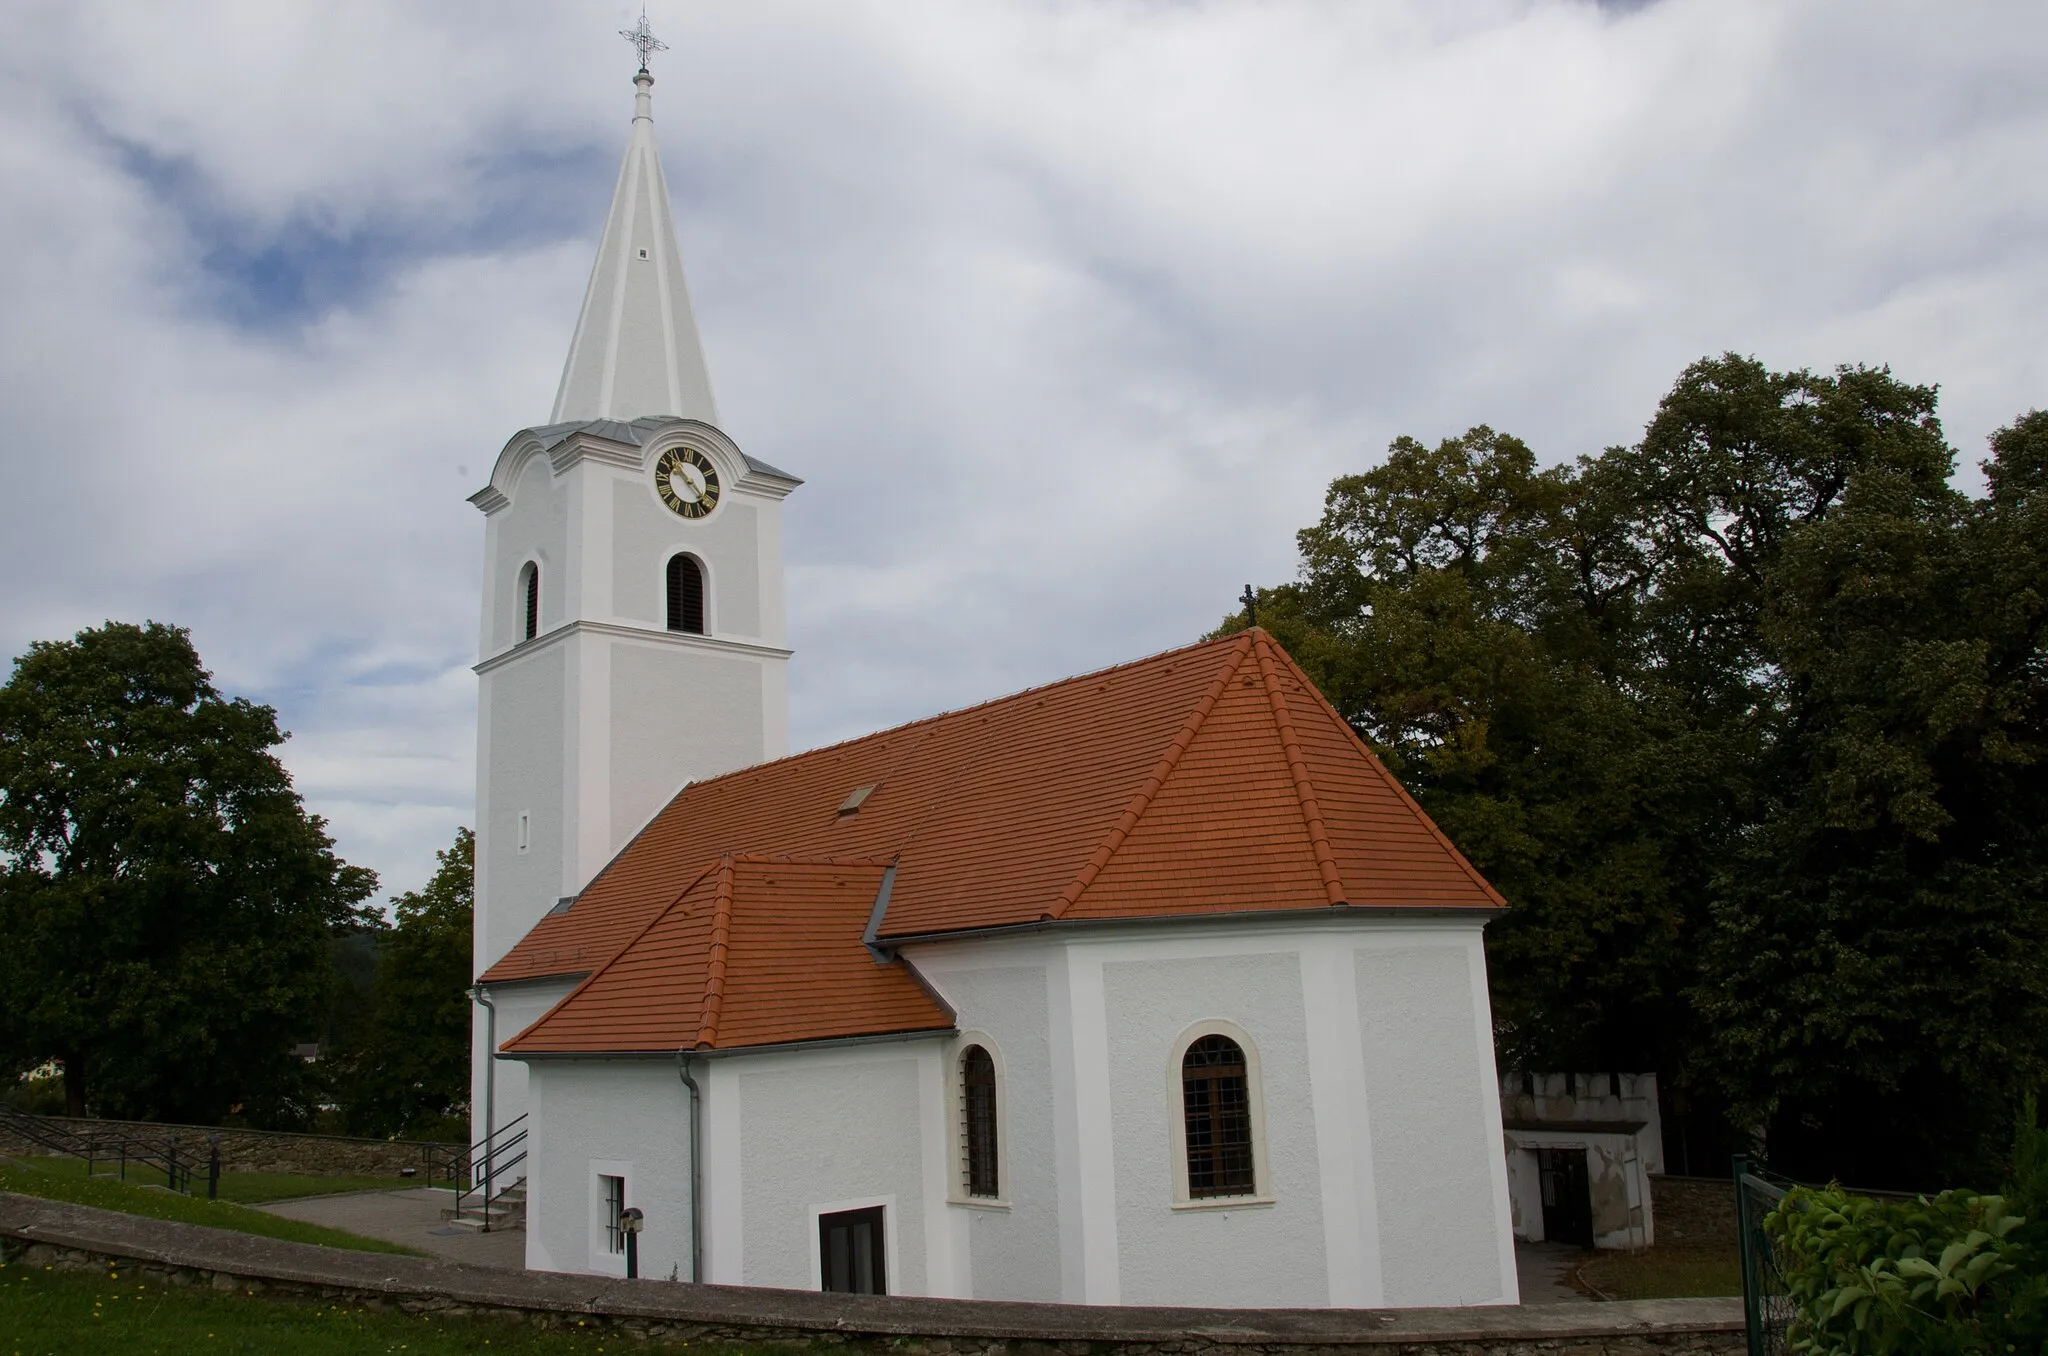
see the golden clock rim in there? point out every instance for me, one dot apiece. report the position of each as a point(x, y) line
point(666, 463)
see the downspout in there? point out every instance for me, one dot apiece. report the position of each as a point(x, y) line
point(696, 1166)
point(481, 996)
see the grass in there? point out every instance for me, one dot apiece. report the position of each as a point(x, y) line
point(116, 1312)
point(1664, 1273)
point(245, 1188)
point(31, 1178)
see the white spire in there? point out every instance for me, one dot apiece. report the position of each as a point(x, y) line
point(636, 351)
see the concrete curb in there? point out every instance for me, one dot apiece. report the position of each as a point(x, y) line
point(754, 1313)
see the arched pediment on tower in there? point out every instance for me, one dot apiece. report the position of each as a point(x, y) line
point(632, 444)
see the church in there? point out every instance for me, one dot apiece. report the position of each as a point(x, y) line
point(1146, 987)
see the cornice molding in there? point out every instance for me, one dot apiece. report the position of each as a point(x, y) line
point(673, 639)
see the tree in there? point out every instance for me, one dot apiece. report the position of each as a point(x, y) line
point(410, 1074)
point(1747, 722)
point(166, 903)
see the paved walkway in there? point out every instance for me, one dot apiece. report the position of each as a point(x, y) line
point(1544, 1271)
point(411, 1216)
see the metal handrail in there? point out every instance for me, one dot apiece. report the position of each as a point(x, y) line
point(93, 1149)
point(497, 1157)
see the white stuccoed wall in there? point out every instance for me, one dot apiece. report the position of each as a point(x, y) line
point(1381, 1114)
point(629, 1117)
point(1383, 1179)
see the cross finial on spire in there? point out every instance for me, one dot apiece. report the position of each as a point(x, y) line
point(643, 39)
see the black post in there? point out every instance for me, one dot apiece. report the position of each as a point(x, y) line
point(631, 1221)
point(1745, 1249)
point(213, 1167)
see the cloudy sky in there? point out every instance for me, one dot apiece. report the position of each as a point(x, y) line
point(1066, 312)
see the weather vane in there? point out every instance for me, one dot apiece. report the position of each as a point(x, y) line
point(643, 39)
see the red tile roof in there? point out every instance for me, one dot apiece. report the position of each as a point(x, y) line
point(755, 951)
point(1211, 779)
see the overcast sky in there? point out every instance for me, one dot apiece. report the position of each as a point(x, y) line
point(1066, 312)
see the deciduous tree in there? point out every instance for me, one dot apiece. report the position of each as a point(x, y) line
point(1749, 723)
point(166, 903)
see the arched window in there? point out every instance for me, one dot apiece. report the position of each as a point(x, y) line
point(1215, 1092)
point(530, 586)
point(978, 1122)
point(685, 595)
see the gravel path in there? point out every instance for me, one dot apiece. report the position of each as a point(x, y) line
point(1544, 1271)
point(411, 1216)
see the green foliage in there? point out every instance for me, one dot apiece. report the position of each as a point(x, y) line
point(1748, 723)
point(1933, 1275)
point(166, 903)
point(408, 1073)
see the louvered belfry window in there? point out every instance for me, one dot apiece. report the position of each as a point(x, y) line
point(685, 595)
point(1216, 1098)
point(532, 601)
point(978, 1113)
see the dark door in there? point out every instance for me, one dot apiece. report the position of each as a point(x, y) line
point(1567, 1199)
point(850, 1252)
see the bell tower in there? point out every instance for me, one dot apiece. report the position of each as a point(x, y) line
point(632, 635)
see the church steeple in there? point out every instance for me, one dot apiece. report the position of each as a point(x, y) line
point(636, 351)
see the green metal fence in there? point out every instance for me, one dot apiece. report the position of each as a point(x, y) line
point(1766, 1304)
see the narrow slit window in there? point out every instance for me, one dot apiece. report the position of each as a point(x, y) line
point(530, 588)
point(978, 1117)
point(685, 595)
point(1216, 1098)
point(614, 1212)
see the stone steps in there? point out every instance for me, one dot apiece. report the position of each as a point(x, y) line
point(507, 1210)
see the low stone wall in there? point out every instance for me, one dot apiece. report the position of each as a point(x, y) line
point(1694, 1212)
point(50, 1233)
point(251, 1150)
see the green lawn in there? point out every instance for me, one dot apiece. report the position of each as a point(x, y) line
point(68, 1183)
point(1664, 1273)
point(247, 1188)
point(121, 1313)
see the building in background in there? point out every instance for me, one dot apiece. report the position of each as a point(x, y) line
point(1581, 1150)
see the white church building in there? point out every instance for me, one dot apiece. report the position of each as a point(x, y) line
point(1147, 987)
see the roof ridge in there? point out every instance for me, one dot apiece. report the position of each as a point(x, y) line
point(718, 949)
point(805, 859)
point(1380, 768)
point(1297, 765)
point(1141, 800)
point(937, 716)
point(617, 955)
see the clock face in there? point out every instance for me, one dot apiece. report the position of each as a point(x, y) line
point(687, 481)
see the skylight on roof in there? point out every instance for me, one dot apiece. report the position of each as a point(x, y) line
point(854, 799)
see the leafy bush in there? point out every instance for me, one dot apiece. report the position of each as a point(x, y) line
point(1957, 1273)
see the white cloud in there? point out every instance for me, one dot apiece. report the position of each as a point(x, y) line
point(1066, 312)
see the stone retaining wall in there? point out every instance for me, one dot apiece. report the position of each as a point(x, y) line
point(50, 1233)
point(251, 1150)
point(1694, 1212)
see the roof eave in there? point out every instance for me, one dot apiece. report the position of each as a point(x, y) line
point(1324, 913)
point(724, 1052)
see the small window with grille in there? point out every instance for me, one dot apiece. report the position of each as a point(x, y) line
point(978, 1129)
point(685, 595)
point(529, 586)
point(613, 1192)
point(1216, 1100)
